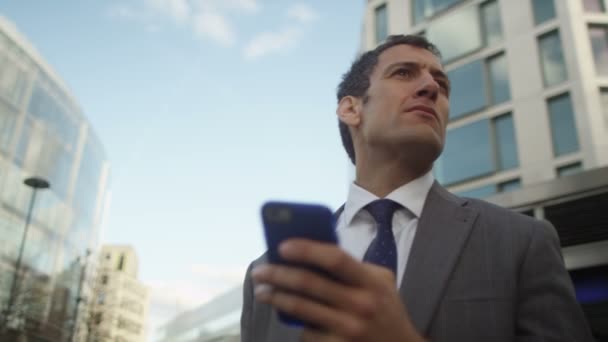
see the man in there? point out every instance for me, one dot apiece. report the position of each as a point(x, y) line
point(449, 269)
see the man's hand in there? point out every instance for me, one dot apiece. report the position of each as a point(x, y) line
point(362, 304)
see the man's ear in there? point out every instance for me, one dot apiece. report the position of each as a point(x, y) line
point(349, 110)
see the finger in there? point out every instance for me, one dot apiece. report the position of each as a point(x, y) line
point(334, 321)
point(328, 257)
point(313, 285)
point(313, 335)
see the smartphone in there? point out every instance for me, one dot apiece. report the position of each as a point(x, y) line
point(284, 220)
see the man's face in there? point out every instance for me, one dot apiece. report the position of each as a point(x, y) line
point(407, 102)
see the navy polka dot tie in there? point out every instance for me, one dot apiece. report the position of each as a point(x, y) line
point(383, 249)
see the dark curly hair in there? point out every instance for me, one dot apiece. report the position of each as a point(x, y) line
point(355, 81)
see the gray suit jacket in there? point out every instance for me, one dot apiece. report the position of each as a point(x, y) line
point(476, 272)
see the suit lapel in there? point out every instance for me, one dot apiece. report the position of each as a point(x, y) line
point(443, 229)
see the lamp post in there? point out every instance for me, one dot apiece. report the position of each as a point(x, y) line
point(79, 297)
point(36, 183)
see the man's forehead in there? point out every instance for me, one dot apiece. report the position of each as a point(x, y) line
point(409, 53)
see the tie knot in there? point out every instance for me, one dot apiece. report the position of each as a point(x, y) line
point(382, 210)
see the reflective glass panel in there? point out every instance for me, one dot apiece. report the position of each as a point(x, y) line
point(563, 128)
point(7, 125)
point(599, 47)
point(490, 14)
point(543, 10)
point(552, 59)
point(467, 153)
point(569, 169)
point(509, 185)
point(480, 192)
point(381, 23)
point(499, 79)
point(506, 145)
point(457, 33)
point(596, 6)
point(604, 104)
point(468, 89)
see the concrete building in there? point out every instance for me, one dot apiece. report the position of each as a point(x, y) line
point(44, 133)
point(120, 304)
point(528, 125)
point(215, 321)
point(529, 82)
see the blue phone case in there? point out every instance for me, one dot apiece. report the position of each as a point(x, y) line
point(284, 220)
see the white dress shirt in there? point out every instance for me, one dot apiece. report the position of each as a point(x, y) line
point(356, 227)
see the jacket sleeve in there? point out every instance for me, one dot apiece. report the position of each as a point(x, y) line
point(247, 310)
point(547, 309)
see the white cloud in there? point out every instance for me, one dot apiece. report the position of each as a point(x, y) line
point(215, 27)
point(179, 10)
point(302, 13)
point(272, 42)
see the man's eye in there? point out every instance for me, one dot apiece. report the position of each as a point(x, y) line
point(403, 72)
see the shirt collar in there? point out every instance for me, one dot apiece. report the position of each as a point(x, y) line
point(411, 195)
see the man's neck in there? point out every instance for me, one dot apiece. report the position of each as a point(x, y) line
point(383, 178)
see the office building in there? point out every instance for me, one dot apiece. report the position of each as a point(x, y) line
point(528, 125)
point(44, 133)
point(119, 308)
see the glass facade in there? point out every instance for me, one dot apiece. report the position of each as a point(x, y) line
point(552, 59)
point(492, 24)
point(479, 84)
point(44, 134)
point(466, 30)
point(599, 46)
point(506, 147)
point(594, 6)
point(499, 79)
point(563, 128)
point(423, 9)
point(457, 33)
point(570, 169)
point(543, 10)
point(381, 20)
point(478, 149)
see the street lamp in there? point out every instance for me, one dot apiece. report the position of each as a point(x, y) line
point(36, 183)
point(79, 297)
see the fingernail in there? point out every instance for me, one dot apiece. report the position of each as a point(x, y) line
point(262, 291)
point(258, 271)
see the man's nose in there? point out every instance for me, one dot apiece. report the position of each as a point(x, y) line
point(428, 87)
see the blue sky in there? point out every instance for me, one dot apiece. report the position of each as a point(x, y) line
point(206, 108)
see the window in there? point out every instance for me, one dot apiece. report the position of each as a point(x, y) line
point(475, 85)
point(104, 279)
point(569, 169)
point(563, 129)
point(543, 10)
point(499, 79)
point(457, 33)
point(599, 46)
point(492, 27)
point(7, 125)
point(423, 9)
point(604, 104)
point(594, 6)
point(506, 147)
point(121, 261)
point(509, 185)
point(381, 23)
point(478, 149)
point(468, 89)
point(552, 59)
point(466, 30)
point(491, 189)
point(480, 192)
